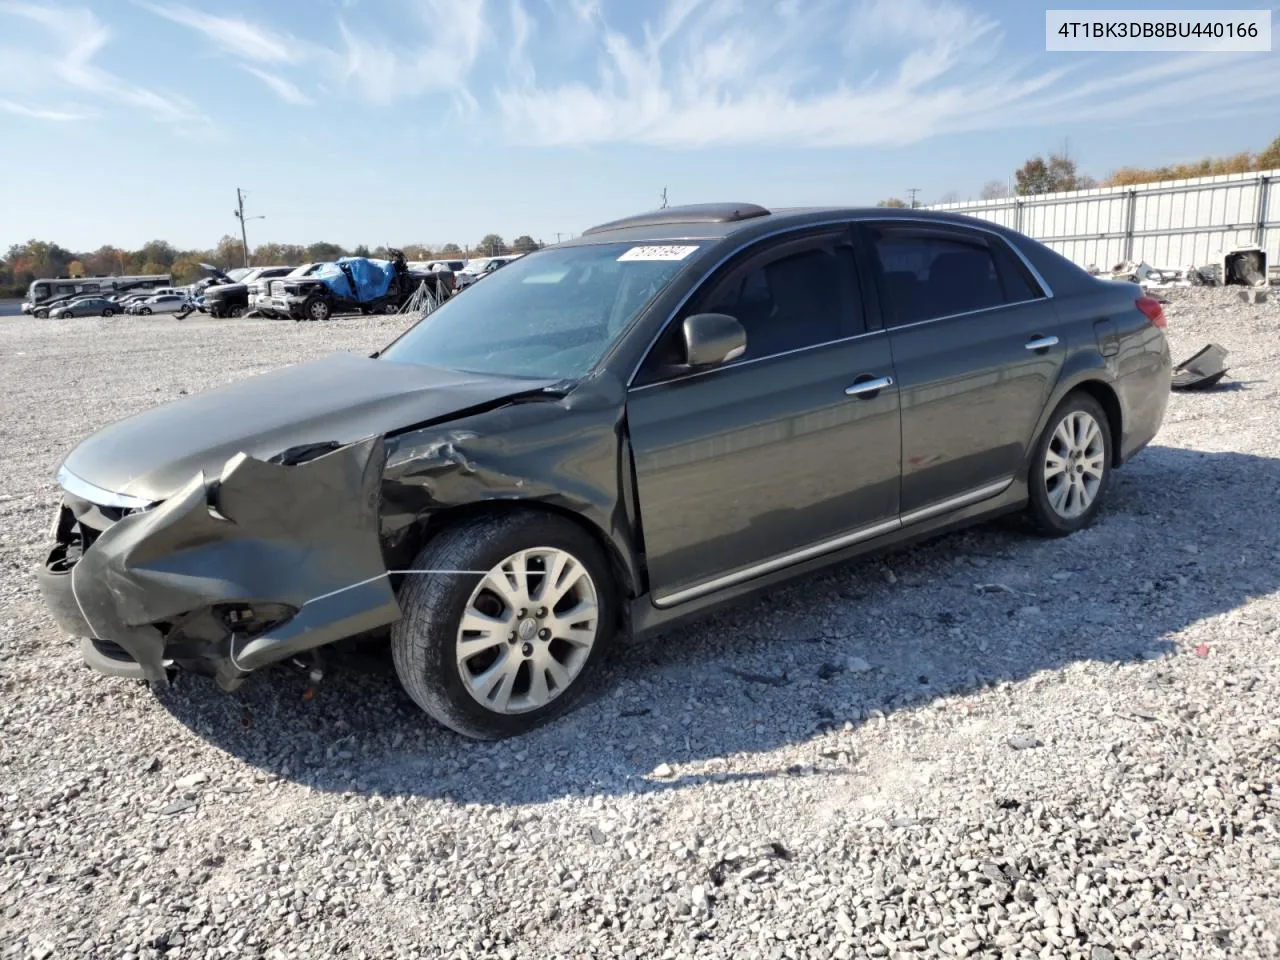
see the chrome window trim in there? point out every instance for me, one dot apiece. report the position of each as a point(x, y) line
point(815, 550)
point(79, 487)
point(963, 313)
point(845, 222)
point(738, 364)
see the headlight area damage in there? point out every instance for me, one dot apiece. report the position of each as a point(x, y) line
point(264, 562)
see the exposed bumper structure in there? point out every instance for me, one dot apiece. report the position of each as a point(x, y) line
point(266, 561)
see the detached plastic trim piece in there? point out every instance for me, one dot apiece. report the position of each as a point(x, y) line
point(1201, 371)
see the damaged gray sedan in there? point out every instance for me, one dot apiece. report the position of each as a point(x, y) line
point(608, 436)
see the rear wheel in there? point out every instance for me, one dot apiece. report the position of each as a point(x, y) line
point(497, 653)
point(108, 312)
point(235, 312)
point(1071, 467)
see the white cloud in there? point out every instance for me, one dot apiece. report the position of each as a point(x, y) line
point(234, 35)
point(284, 89)
point(77, 38)
point(436, 53)
point(41, 113)
point(434, 50)
point(822, 74)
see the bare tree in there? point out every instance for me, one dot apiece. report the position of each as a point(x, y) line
point(994, 190)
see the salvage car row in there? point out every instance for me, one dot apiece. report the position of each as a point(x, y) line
point(312, 291)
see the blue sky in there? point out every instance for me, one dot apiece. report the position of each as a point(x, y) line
point(400, 121)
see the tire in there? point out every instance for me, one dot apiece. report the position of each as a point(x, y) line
point(1058, 506)
point(316, 308)
point(42, 314)
point(108, 312)
point(145, 311)
point(235, 312)
point(424, 642)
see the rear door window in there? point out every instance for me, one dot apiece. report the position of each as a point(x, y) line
point(928, 273)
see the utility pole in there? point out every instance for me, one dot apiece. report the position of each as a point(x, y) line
point(664, 198)
point(238, 213)
point(913, 191)
point(557, 236)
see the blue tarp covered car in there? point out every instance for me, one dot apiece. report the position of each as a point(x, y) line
point(353, 284)
point(357, 278)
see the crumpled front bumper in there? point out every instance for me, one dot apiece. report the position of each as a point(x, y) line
point(183, 579)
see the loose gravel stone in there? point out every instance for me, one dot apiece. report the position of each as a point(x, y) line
point(854, 811)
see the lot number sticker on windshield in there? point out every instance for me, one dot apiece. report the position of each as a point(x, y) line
point(657, 253)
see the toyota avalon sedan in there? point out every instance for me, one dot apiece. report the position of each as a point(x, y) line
point(607, 436)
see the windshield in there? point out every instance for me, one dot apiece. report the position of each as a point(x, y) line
point(551, 314)
point(38, 291)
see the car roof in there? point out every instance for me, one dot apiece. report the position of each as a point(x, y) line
point(719, 221)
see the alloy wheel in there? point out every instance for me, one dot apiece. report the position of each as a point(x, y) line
point(1074, 464)
point(527, 630)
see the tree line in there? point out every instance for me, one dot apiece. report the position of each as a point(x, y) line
point(39, 259)
point(1059, 171)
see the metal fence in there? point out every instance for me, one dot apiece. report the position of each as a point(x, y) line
point(1174, 223)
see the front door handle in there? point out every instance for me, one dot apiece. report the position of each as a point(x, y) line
point(1041, 343)
point(866, 388)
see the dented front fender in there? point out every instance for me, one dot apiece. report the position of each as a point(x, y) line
point(304, 537)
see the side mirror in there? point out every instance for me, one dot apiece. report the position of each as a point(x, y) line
point(712, 338)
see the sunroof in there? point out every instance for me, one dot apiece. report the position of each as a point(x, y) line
point(691, 213)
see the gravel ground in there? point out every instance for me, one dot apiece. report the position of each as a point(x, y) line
point(989, 745)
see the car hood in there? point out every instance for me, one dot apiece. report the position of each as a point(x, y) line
point(341, 398)
point(215, 290)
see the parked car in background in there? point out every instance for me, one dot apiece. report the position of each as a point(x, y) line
point(127, 301)
point(45, 310)
point(42, 294)
point(85, 307)
point(163, 303)
point(267, 298)
point(351, 285)
point(426, 266)
point(231, 299)
point(620, 432)
point(473, 270)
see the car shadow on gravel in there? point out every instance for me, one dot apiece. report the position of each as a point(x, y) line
point(1186, 535)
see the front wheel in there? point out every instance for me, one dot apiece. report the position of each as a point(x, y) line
point(145, 311)
point(235, 312)
point(316, 308)
point(497, 652)
point(1071, 467)
point(42, 314)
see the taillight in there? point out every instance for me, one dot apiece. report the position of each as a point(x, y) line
point(1151, 307)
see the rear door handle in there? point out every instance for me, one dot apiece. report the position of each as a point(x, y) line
point(865, 388)
point(1042, 343)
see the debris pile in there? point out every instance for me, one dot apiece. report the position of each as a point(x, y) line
point(1244, 266)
